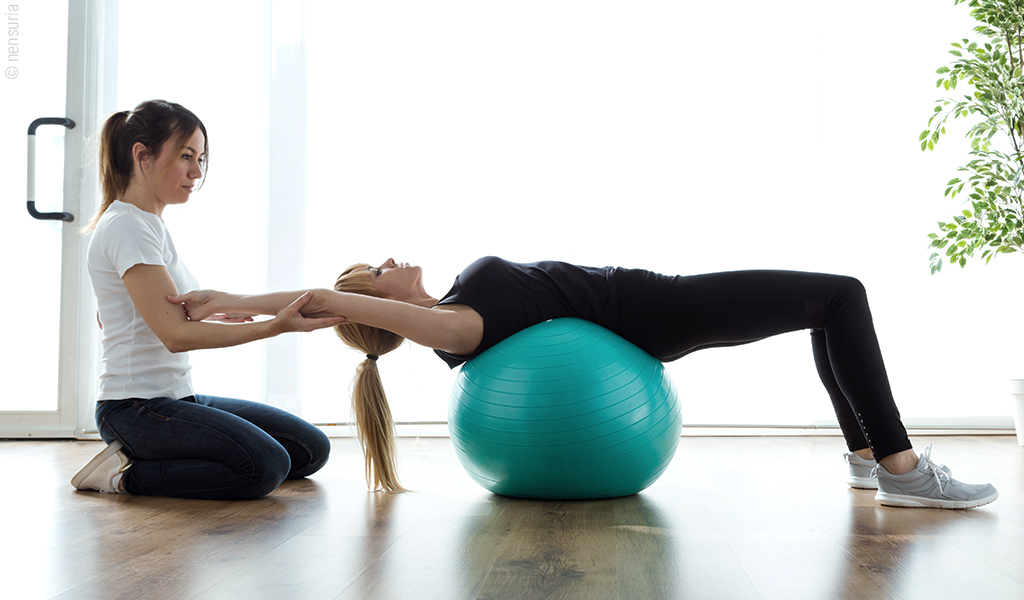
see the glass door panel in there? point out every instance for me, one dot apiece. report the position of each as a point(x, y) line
point(33, 86)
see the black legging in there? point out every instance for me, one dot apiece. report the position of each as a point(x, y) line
point(670, 317)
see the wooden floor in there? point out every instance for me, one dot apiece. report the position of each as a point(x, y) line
point(733, 518)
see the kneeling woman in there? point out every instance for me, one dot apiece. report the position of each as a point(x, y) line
point(164, 439)
point(666, 316)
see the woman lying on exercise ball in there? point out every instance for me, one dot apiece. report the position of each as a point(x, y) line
point(668, 317)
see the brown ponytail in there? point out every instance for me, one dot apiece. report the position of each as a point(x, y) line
point(151, 123)
point(374, 424)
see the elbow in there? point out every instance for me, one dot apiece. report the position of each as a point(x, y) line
point(175, 344)
point(316, 306)
point(176, 347)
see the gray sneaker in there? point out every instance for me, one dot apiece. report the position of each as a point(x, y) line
point(862, 472)
point(930, 486)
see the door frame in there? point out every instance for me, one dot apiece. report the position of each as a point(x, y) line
point(91, 93)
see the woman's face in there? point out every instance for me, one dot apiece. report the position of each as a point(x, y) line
point(396, 280)
point(172, 175)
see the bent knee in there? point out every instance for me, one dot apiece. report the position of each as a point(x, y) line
point(316, 449)
point(851, 287)
point(266, 473)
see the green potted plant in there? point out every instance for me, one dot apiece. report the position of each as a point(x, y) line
point(993, 178)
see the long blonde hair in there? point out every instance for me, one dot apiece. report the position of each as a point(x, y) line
point(151, 123)
point(374, 424)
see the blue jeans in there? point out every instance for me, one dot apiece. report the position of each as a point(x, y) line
point(210, 447)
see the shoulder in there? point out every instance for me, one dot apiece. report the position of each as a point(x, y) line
point(121, 216)
point(124, 238)
point(123, 222)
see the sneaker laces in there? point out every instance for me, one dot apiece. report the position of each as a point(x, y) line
point(942, 478)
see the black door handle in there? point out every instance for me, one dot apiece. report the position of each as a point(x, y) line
point(53, 216)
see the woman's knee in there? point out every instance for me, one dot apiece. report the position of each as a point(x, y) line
point(854, 285)
point(850, 288)
point(269, 468)
point(309, 454)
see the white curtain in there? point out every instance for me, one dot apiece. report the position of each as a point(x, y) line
point(677, 136)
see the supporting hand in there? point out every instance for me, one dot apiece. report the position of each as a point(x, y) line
point(292, 320)
point(201, 305)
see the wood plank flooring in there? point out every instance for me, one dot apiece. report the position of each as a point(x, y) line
point(732, 518)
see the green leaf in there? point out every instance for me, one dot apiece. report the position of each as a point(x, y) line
point(942, 70)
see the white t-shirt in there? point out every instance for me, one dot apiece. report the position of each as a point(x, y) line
point(135, 362)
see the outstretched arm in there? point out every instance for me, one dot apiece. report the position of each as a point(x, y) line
point(149, 285)
point(456, 331)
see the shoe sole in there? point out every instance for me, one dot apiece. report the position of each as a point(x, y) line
point(863, 483)
point(901, 501)
point(97, 460)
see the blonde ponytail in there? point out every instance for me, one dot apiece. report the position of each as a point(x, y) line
point(376, 428)
point(374, 424)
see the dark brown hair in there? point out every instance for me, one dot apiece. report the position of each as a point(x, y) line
point(152, 123)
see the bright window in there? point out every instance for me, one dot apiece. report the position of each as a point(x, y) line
point(677, 136)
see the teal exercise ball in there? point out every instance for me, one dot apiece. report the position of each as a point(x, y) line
point(564, 410)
